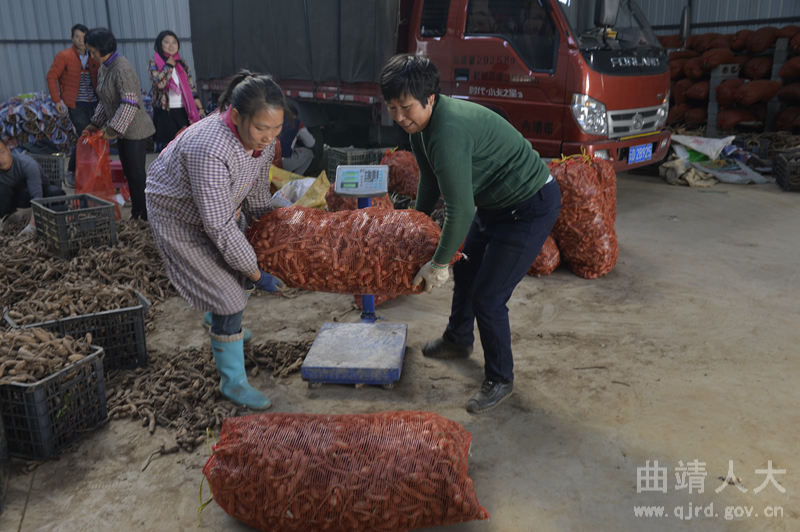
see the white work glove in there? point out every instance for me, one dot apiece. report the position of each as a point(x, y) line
point(29, 230)
point(434, 276)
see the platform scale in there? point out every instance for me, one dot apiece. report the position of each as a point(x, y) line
point(366, 352)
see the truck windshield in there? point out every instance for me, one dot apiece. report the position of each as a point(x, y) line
point(580, 15)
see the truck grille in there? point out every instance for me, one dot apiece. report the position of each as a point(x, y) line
point(632, 121)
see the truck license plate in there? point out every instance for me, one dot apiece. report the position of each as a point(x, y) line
point(637, 154)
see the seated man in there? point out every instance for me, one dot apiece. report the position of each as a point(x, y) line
point(297, 144)
point(21, 180)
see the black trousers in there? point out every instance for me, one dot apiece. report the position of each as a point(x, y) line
point(132, 155)
point(13, 198)
point(80, 117)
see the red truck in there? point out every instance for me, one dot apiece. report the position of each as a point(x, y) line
point(570, 75)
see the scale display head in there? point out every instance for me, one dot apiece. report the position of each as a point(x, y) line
point(362, 181)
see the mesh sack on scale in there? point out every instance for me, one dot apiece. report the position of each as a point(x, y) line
point(366, 251)
point(393, 471)
point(403, 172)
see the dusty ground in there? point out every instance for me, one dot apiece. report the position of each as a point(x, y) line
point(686, 351)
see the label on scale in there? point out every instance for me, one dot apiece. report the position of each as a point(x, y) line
point(364, 181)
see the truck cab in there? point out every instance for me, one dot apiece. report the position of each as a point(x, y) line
point(570, 75)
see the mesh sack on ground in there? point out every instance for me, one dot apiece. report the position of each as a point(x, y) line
point(548, 260)
point(403, 172)
point(607, 178)
point(338, 203)
point(393, 471)
point(584, 230)
point(366, 251)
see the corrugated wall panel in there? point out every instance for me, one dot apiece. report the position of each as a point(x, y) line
point(44, 26)
point(668, 12)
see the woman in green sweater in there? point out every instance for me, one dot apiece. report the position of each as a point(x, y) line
point(500, 200)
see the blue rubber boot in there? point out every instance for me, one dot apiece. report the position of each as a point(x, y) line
point(229, 357)
point(248, 334)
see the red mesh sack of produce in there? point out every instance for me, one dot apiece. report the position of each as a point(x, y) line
point(698, 91)
point(784, 120)
point(695, 117)
point(677, 113)
point(682, 54)
point(795, 43)
point(392, 471)
point(791, 68)
point(717, 56)
point(680, 89)
point(548, 260)
point(670, 41)
point(726, 91)
point(676, 68)
point(761, 90)
point(403, 172)
point(761, 40)
point(721, 41)
point(730, 118)
point(758, 67)
point(366, 251)
point(694, 68)
point(739, 42)
point(93, 169)
point(790, 93)
point(787, 32)
point(338, 203)
point(607, 178)
point(703, 41)
point(584, 230)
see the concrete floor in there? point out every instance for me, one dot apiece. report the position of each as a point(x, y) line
point(687, 350)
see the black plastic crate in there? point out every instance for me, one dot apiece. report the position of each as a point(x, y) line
point(786, 169)
point(55, 166)
point(352, 157)
point(46, 417)
point(756, 146)
point(119, 332)
point(69, 223)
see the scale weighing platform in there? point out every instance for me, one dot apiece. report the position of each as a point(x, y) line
point(366, 352)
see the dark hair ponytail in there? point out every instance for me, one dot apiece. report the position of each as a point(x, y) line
point(248, 93)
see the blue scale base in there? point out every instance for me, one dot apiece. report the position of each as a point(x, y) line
point(356, 353)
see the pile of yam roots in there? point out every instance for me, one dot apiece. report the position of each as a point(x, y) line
point(179, 391)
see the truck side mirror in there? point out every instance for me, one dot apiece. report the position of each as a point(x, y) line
point(686, 16)
point(605, 13)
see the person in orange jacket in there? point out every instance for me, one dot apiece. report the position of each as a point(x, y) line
point(72, 80)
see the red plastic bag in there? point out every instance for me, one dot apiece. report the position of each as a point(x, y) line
point(726, 91)
point(761, 40)
point(695, 117)
point(366, 251)
point(93, 169)
point(730, 118)
point(584, 230)
point(393, 471)
point(548, 260)
point(758, 67)
point(698, 91)
point(739, 42)
point(761, 90)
